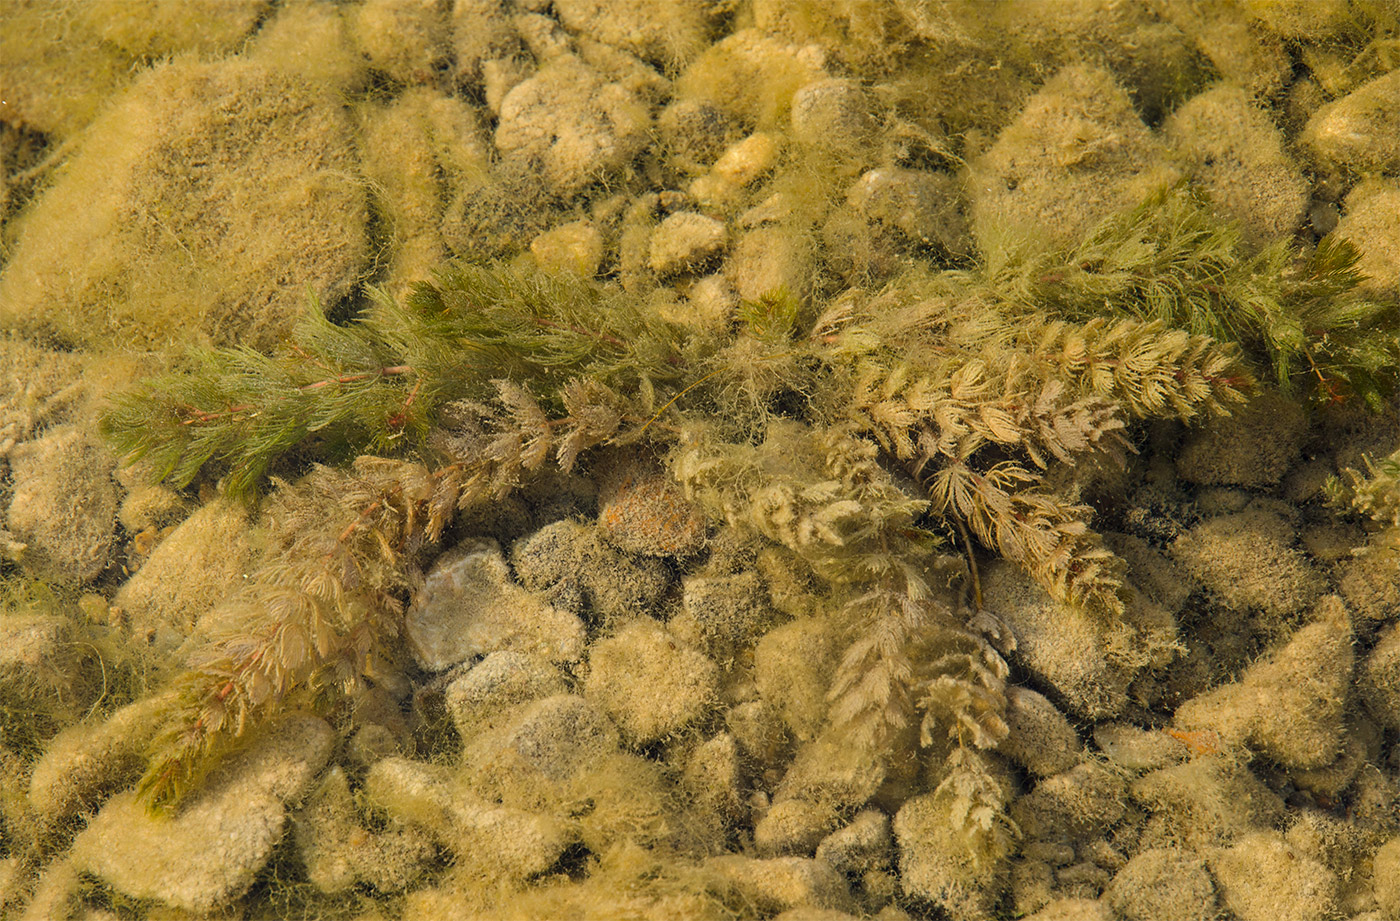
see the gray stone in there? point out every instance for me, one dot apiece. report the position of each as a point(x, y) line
point(496, 686)
point(469, 606)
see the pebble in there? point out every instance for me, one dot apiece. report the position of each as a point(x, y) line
point(520, 844)
point(63, 505)
point(581, 127)
point(650, 683)
point(210, 852)
point(1264, 878)
point(686, 241)
point(484, 695)
point(469, 606)
point(1361, 131)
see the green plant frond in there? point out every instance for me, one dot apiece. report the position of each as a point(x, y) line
point(1171, 260)
point(955, 402)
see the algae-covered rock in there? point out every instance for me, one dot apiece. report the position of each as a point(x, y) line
point(414, 147)
point(685, 241)
point(1263, 878)
point(1240, 50)
point(514, 843)
point(832, 114)
point(503, 681)
point(83, 764)
point(726, 613)
point(1253, 446)
point(560, 737)
point(1371, 586)
point(63, 505)
point(1079, 803)
point(1066, 647)
point(782, 883)
point(1369, 225)
point(940, 863)
point(641, 510)
point(1248, 562)
point(40, 388)
point(768, 260)
point(750, 74)
point(209, 852)
point(1235, 154)
point(864, 843)
point(1135, 749)
point(216, 197)
point(713, 779)
point(407, 40)
point(198, 563)
point(792, 668)
point(570, 565)
point(1164, 884)
point(1041, 738)
point(481, 35)
point(668, 32)
point(650, 683)
point(1076, 154)
point(1073, 908)
point(576, 124)
point(339, 852)
point(59, 63)
point(1361, 131)
point(313, 40)
point(1386, 874)
point(826, 781)
point(576, 247)
point(1288, 705)
point(924, 207)
point(1205, 802)
point(694, 134)
point(1379, 678)
point(469, 606)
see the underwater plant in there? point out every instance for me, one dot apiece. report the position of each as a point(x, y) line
point(876, 440)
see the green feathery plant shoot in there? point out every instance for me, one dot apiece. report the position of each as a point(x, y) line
point(1170, 259)
point(848, 437)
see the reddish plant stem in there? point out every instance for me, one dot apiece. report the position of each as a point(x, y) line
point(199, 416)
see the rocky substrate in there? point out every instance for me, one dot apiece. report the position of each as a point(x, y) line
point(605, 705)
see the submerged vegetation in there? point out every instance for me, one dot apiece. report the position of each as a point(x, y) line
point(700, 459)
point(882, 440)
